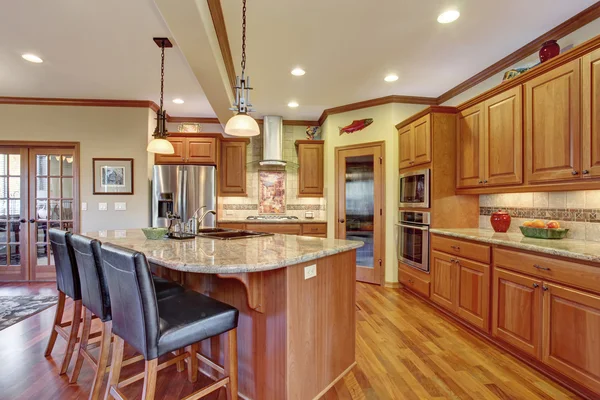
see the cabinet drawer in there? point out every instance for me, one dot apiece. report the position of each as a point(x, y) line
point(284, 229)
point(413, 282)
point(472, 251)
point(314, 229)
point(231, 225)
point(572, 273)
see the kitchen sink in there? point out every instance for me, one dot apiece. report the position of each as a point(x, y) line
point(233, 234)
point(204, 231)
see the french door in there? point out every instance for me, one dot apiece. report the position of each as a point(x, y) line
point(39, 190)
point(360, 205)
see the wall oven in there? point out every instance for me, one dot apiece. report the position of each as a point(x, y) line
point(413, 239)
point(414, 189)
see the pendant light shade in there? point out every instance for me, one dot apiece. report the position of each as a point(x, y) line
point(242, 125)
point(160, 146)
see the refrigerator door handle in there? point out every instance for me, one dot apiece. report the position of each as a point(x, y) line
point(179, 194)
point(184, 198)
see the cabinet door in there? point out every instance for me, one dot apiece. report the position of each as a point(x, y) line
point(233, 169)
point(310, 173)
point(443, 290)
point(422, 140)
point(517, 310)
point(571, 330)
point(201, 151)
point(473, 297)
point(590, 145)
point(176, 158)
point(503, 154)
point(552, 121)
point(406, 147)
point(470, 147)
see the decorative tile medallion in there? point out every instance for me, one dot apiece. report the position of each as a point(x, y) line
point(271, 192)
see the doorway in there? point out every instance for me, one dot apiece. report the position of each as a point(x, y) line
point(39, 190)
point(360, 204)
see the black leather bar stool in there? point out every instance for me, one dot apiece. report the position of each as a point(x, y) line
point(67, 283)
point(96, 301)
point(157, 327)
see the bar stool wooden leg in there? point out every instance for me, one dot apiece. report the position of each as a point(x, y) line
point(58, 316)
point(105, 340)
point(180, 364)
point(231, 365)
point(193, 363)
point(115, 367)
point(72, 337)
point(85, 336)
point(150, 379)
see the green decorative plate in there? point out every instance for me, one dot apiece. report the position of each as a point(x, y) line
point(543, 233)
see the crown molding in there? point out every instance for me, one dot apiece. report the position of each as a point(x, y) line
point(56, 101)
point(428, 110)
point(199, 120)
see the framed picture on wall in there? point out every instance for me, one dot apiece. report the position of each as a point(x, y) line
point(113, 175)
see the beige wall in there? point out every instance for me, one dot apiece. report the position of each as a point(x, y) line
point(385, 118)
point(102, 132)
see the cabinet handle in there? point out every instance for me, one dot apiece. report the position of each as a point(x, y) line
point(535, 286)
point(574, 173)
point(457, 248)
point(541, 268)
point(545, 288)
point(585, 172)
point(484, 182)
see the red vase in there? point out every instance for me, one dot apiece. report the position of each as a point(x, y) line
point(550, 49)
point(500, 221)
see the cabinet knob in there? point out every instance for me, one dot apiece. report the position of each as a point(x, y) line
point(484, 182)
point(574, 173)
point(480, 182)
point(585, 172)
point(457, 248)
point(535, 286)
point(32, 221)
point(540, 267)
point(22, 220)
point(545, 288)
point(341, 221)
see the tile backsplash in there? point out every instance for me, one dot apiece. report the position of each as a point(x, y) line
point(579, 211)
point(237, 208)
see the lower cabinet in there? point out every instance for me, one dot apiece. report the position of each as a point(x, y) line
point(311, 229)
point(414, 279)
point(284, 229)
point(443, 280)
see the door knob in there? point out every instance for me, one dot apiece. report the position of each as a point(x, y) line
point(341, 221)
point(32, 220)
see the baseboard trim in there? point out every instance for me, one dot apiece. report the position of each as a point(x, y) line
point(392, 285)
point(336, 380)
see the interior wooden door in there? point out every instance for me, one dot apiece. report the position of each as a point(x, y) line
point(552, 121)
point(360, 204)
point(473, 293)
point(590, 117)
point(422, 140)
point(443, 280)
point(406, 147)
point(504, 138)
point(571, 331)
point(13, 214)
point(470, 148)
point(53, 203)
point(517, 310)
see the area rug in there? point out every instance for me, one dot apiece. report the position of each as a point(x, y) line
point(16, 308)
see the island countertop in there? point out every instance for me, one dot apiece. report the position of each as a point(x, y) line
point(210, 256)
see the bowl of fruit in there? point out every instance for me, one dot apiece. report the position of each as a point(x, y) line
point(543, 230)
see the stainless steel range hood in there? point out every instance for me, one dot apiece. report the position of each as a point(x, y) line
point(273, 141)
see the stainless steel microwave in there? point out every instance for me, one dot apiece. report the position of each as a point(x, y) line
point(414, 189)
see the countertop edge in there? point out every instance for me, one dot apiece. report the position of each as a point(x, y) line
point(522, 246)
point(267, 221)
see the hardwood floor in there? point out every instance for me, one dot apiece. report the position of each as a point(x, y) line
point(405, 350)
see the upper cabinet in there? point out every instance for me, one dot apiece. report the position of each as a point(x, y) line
point(470, 147)
point(415, 143)
point(190, 150)
point(311, 169)
point(552, 123)
point(232, 168)
point(591, 114)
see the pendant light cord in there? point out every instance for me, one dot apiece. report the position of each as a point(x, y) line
point(162, 74)
point(243, 38)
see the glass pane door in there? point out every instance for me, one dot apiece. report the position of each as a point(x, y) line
point(13, 205)
point(52, 205)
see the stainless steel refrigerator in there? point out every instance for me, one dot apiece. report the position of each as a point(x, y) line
point(182, 189)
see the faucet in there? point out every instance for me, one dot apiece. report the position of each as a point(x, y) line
point(213, 212)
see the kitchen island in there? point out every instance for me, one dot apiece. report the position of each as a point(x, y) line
point(296, 334)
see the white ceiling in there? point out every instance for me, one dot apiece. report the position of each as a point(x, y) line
point(348, 46)
point(93, 49)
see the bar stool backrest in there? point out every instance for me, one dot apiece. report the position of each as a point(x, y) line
point(67, 277)
point(133, 298)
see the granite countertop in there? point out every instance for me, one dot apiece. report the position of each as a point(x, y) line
point(271, 221)
point(571, 248)
point(210, 256)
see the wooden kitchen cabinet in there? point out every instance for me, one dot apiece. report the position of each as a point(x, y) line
point(232, 168)
point(311, 168)
point(517, 310)
point(443, 280)
point(190, 150)
point(552, 125)
point(571, 333)
point(415, 143)
point(284, 229)
point(470, 147)
point(590, 115)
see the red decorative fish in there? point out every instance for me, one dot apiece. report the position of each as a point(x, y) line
point(356, 125)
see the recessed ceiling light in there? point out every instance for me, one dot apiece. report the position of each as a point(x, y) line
point(298, 72)
point(178, 101)
point(293, 104)
point(32, 58)
point(448, 16)
point(391, 78)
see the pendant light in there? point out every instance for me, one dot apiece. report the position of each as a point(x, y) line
point(242, 124)
point(160, 144)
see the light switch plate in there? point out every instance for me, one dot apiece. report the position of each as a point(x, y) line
point(120, 233)
point(310, 271)
point(102, 206)
point(103, 234)
point(84, 206)
point(309, 215)
point(120, 206)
